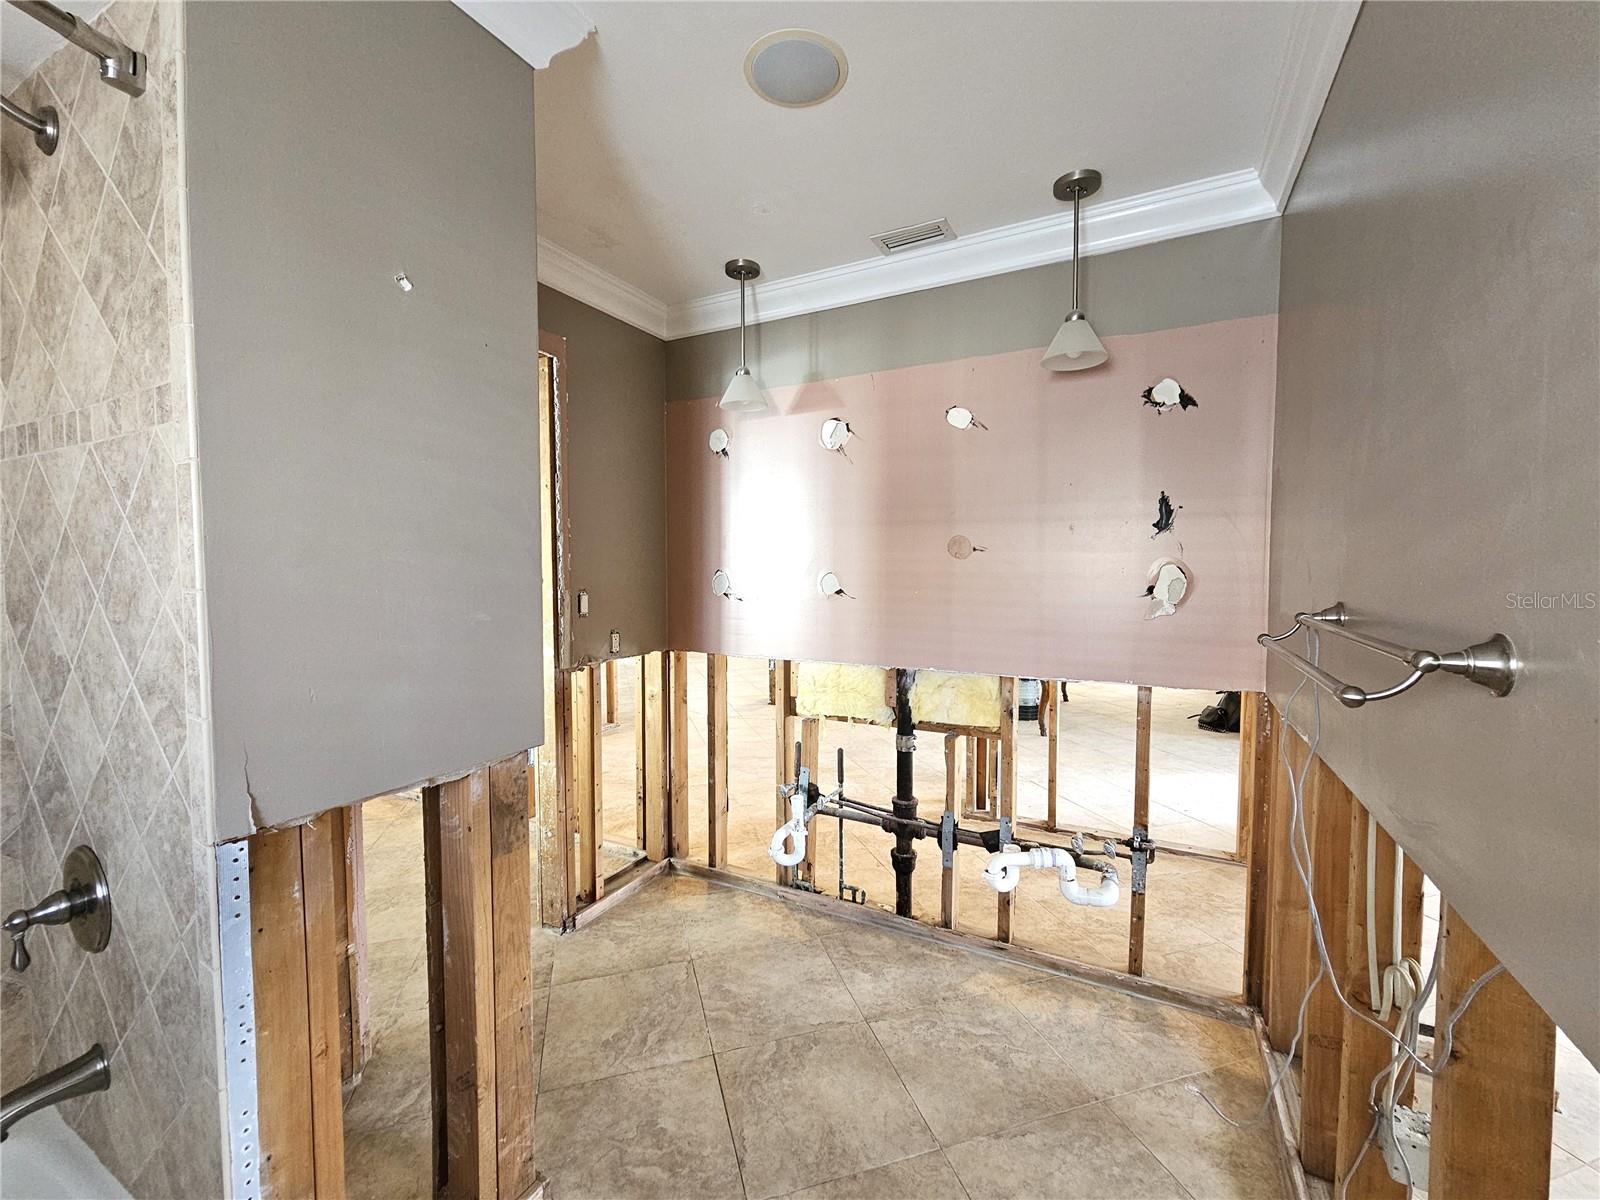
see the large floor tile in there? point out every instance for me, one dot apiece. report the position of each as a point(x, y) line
point(729, 920)
point(1085, 1154)
point(975, 1067)
point(395, 1087)
point(1203, 1152)
point(815, 1107)
point(621, 1023)
point(892, 972)
point(656, 1133)
point(776, 991)
point(394, 1162)
point(1118, 1043)
point(1582, 1184)
point(925, 1177)
point(644, 932)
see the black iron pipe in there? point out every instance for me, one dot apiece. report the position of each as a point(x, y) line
point(921, 827)
point(903, 858)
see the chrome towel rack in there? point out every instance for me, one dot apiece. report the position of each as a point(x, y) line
point(1492, 664)
point(123, 68)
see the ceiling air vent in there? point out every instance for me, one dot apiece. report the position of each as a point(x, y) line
point(913, 236)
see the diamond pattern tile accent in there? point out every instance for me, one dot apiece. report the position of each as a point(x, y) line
point(99, 641)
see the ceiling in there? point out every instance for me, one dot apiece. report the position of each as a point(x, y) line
point(24, 43)
point(657, 162)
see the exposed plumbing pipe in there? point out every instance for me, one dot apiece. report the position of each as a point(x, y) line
point(903, 857)
point(1004, 872)
point(794, 829)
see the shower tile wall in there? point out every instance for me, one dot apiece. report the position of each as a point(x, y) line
point(102, 730)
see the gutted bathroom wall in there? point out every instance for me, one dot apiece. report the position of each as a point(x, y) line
point(1024, 546)
point(102, 731)
point(370, 453)
point(615, 380)
point(1437, 435)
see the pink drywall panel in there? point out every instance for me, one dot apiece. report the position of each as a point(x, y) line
point(1061, 489)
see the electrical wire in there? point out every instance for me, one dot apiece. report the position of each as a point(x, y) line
point(1405, 1057)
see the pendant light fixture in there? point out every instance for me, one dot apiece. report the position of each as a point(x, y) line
point(1075, 345)
point(744, 394)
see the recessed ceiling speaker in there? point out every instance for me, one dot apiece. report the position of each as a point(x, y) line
point(796, 68)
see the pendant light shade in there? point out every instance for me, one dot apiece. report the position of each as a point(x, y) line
point(744, 394)
point(1075, 346)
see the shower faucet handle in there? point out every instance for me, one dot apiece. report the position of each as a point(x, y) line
point(83, 901)
point(54, 909)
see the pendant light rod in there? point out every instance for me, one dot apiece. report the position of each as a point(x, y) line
point(1077, 206)
point(744, 270)
point(1076, 186)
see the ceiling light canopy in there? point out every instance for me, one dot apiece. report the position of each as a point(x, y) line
point(796, 68)
point(1075, 346)
point(744, 394)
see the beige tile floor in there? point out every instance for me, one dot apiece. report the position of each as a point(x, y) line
point(704, 1041)
point(1195, 914)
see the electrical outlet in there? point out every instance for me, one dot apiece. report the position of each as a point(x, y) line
point(616, 641)
point(583, 603)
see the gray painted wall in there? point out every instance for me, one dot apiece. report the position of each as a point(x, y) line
point(1207, 277)
point(615, 379)
point(1436, 449)
point(367, 458)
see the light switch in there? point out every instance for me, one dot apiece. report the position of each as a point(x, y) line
point(583, 603)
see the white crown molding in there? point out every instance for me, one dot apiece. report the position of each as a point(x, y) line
point(1317, 39)
point(535, 33)
point(1205, 204)
point(582, 280)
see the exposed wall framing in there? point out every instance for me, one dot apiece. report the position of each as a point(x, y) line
point(586, 767)
point(781, 690)
point(1141, 824)
point(350, 927)
point(654, 753)
point(716, 760)
point(1498, 1095)
point(678, 767)
point(297, 966)
point(1492, 1109)
point(479, 915)
point(1005, 801)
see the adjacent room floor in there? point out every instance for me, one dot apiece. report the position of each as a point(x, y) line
point(1194, 930)
point(702, 1040)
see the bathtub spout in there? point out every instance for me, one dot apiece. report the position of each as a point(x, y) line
point(89, 1072)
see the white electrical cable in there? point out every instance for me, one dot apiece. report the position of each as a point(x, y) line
point(1299, 846)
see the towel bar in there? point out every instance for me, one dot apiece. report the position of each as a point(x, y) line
point(1492, 664)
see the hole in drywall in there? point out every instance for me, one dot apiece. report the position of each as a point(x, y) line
point(828, 584)
point(1169, 584)
point(718, 441)
point(835, 435)
point(960, 546)
point(962, 418)
point(721, 585)
point(1166, 514)
point(1167, 396)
